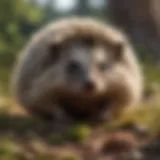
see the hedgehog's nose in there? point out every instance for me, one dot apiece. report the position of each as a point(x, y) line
point(88, 85)
point(74, 68)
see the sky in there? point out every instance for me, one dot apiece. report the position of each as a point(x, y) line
point(62, 4)
point(66, 5)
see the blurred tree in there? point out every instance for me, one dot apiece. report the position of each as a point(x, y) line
point(139, 18)
point(83, 8)
point(90, 8)
point(18, 19)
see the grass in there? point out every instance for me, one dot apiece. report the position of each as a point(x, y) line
point(5, 75)
point(7, 151)
point(152, 75)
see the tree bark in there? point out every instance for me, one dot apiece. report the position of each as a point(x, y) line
point(82, 9)
point(140, 19)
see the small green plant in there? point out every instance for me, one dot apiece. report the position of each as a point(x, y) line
point(78, 132)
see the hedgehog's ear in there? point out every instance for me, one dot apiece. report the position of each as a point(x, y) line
point(118, 51)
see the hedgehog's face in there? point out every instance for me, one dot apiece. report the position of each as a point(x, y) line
point(86, 66)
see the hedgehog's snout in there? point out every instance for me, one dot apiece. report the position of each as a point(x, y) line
point(79, 75)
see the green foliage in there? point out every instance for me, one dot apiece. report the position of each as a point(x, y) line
point(18, 19)
point(151, 73)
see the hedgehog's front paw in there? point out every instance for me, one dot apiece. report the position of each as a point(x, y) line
point(61, 116)
point(61, 120)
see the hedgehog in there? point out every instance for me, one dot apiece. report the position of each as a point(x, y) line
point(80, 67)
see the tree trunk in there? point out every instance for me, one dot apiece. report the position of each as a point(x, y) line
point(82, 9)
point(140, 19)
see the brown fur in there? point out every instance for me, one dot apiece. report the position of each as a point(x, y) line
point(40, 89)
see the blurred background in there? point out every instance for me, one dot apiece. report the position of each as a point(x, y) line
point(139, 19)
point(19, 19)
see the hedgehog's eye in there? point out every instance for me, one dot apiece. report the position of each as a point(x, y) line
point(118, 51)
point(89, 41)
point(54, 52)
point(104, 66)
